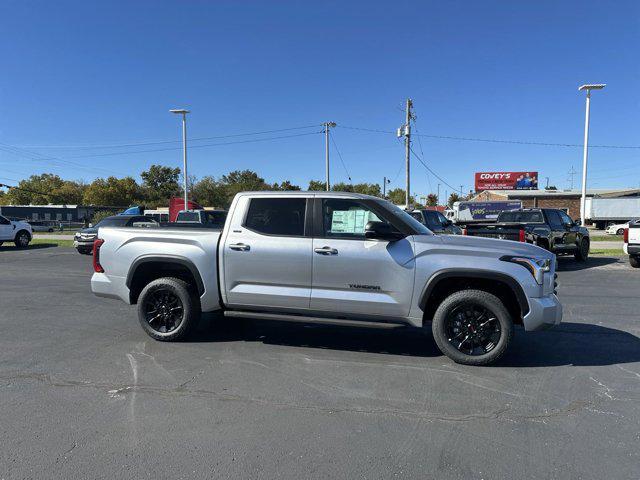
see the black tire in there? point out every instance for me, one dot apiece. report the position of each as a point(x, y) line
point(582, 253)
point(634, 261)
point(620, 231)
point(166, 295)
point(50, 230)
point(22, 239)
point(447, 318)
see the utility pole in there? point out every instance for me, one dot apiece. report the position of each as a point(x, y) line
point(572, 174)
point(438, 196)
point(327, 126)
point(547, 185)
point(384, 186)
point(461, 190)
point(405, 131)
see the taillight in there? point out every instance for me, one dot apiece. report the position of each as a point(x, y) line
point(464, 231)
point(521, 237)
point(625, 235)
point(97, 243)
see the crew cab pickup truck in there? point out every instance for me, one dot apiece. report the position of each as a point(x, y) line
point(548, 228)
point(330, 257)
point(631, 237)
point(17, 232)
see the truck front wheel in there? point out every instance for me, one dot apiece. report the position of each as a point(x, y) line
point(168, 309)
point(472, 327)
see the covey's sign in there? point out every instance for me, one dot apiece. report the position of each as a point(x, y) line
point(506, 181)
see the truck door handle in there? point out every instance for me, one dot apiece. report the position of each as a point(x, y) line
point(239, 247)
point(326, 251)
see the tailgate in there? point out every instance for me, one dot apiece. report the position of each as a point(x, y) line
point(501, 232)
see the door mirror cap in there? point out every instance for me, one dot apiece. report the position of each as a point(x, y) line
point(381, 231)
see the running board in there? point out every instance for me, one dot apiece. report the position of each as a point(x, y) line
point(283, 317)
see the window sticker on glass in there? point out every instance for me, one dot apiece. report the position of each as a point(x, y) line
point(351, 221)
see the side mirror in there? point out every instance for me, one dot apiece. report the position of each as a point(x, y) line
point(381, 231)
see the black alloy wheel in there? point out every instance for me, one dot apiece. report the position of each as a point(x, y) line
point(22, 239)
point(164, 311)
point(472, 329)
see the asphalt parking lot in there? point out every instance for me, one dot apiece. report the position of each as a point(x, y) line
point(86, 394)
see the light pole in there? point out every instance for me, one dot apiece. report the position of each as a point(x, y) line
point(184, 150)
point(583, 199)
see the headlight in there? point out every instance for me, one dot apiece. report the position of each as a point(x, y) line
point(536, 266)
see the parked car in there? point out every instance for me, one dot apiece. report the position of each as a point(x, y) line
point(616, 229)
point(631, 238)
point(548, 228)
point(16, 231)
point(83, 240)
point(330, 257)
point(213, 218)
point(44, 225)
point(436, 222)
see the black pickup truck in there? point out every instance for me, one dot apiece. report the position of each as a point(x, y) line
point(546, 227)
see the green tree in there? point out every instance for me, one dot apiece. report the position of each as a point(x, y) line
point(209, 192)
point(453, 198)
point(112, 191)
point(160, 183)
point(286, 185)
point(432, 200)
point(242, 181)
point(397, 196)
point(3, 198)
point(342, 187)
point(316, 186)
point(368, 189)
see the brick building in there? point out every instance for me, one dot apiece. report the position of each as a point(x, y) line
point(567, 200)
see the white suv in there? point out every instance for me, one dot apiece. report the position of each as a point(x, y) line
point(17, 232)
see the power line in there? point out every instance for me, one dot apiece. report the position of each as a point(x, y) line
point(111, 154)
point(340, 157)
point(164, 142)
point(495, 140)
point(432, 172)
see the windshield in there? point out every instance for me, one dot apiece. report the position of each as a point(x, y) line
point(405, 217)
point(111, 222)
point(522, 217)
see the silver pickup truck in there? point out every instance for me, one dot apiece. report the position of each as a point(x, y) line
point(339, 258)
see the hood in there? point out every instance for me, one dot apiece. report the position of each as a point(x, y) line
point(487, 245)
point(89, 231)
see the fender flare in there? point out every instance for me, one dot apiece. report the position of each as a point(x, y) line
point(471, 273)
point(175, 259)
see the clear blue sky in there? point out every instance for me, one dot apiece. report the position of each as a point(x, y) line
point(81, 73)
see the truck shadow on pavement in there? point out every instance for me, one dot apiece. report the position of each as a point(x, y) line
point(577, 344)
point(566, 264)
point(13, 248)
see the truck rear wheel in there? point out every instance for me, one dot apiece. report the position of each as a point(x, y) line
point(168, 309)
point(472, 327)
point(634, 261)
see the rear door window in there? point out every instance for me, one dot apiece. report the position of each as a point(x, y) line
point(554, 220)
point(277, 216)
